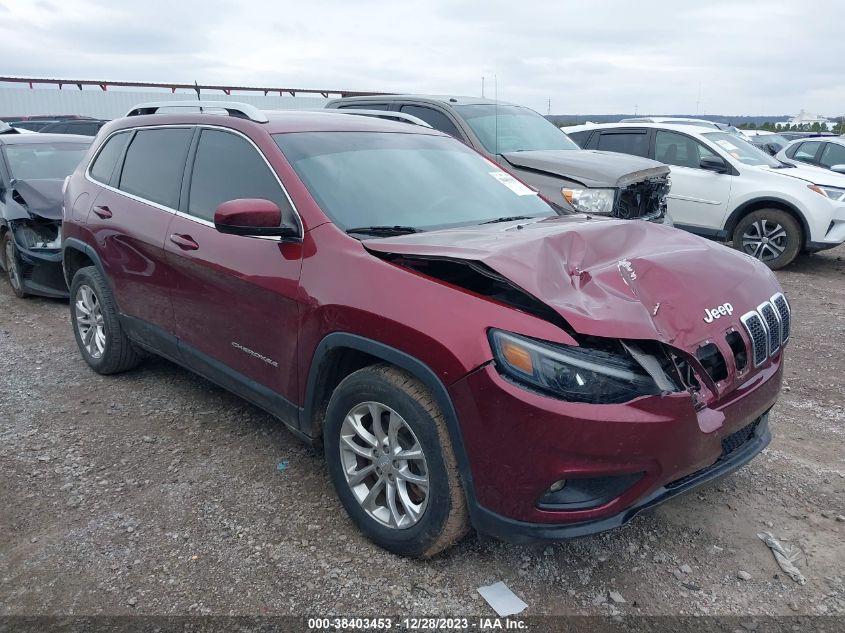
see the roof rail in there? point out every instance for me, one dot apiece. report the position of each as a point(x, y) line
point(383, 114)
point(232, 108)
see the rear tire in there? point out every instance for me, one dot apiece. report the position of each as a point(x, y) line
point(96, 326)
point(770, 235)
point(408, 457)
point(12, 264)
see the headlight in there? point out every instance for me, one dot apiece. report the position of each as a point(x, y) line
point(834, 193)
point(578, 374)
point(597, 201)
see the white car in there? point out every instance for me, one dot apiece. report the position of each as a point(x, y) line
point(725, 188)
point(681, 120)
point(827, 152)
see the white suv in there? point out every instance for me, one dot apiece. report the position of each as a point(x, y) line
point(725, 188)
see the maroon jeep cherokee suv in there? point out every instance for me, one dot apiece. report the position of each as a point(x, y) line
point(467, 353)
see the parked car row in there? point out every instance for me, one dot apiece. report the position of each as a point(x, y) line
point(56, 124)
point(527, 145)
point(468, 351)
point(725, 188)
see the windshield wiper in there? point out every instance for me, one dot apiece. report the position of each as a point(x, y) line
point(511, 218)
point(383, 230)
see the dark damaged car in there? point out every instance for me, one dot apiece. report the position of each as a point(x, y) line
point(33, 168)
point(466, 353)
point(527, 145)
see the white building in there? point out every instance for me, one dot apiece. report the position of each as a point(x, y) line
point(805, 118)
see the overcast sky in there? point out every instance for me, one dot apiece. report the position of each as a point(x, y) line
point(601, 56)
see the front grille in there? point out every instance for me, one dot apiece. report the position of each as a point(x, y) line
point(780, 303)
point(738, 439)
point(770, 316)
point(737, 345)
point(756, 329)
point(768, 327)
point(730, 444)
point(645, 200)
point(713, 362)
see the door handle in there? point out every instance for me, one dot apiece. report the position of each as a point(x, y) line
point(103, 211)
point(185, 242)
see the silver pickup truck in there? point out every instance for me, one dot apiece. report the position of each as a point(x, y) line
point(529, 146)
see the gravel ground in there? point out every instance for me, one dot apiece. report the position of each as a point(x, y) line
point(156, 492)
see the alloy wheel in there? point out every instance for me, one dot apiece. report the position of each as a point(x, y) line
point(89, 321)
point(384, 465)
point(12, 266)
point(764, 240)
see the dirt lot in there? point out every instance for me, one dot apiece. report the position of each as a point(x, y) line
point(156, 492)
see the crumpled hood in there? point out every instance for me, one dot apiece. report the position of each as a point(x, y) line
point(611, 278)
point(41, 197)
point(592, 167)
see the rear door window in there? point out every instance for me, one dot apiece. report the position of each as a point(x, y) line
point(434, 118)
point(154, 164)
point(103, 166)
point(228, 167)
point(833, 154)
point(629, 142)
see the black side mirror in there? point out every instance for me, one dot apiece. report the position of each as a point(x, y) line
point(714, 163)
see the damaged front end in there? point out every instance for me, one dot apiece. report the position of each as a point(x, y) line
point(598, 370)
point(643, 199)
point(32, 217)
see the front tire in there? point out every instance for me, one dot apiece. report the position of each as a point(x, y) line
point(770, 235)
point(13, 266)
point(96, 326)
point(391, 462)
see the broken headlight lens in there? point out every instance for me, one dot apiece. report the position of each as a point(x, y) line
point(596, 201)
point(38, 236)
point(577, 374)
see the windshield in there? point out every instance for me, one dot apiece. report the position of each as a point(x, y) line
point(741, 149)
point(519, 129)
point(363, 179)
point(44, 160)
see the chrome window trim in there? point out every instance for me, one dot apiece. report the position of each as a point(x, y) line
point(88, 177)
point(760, 307)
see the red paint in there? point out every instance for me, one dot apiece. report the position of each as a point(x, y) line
point(632, 280)
point(248, 212)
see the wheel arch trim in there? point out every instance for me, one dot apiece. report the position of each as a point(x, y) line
point(400, 359)
point(748, 207)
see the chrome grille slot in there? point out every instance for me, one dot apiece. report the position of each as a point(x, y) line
point(758, 335)
point(770, 316)
point(782, 306)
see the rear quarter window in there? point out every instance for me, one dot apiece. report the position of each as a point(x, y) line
point(103, 166)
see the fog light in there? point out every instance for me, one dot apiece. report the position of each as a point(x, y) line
point(558, 485)
point(587, 492)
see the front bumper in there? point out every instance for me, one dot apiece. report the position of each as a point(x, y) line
point(519, 443)
point(523, 532)
point(41, 272)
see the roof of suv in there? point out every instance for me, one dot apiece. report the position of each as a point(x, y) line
point(281, 121)
point(451, 100)
point(680, 127)
point(21, 139)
